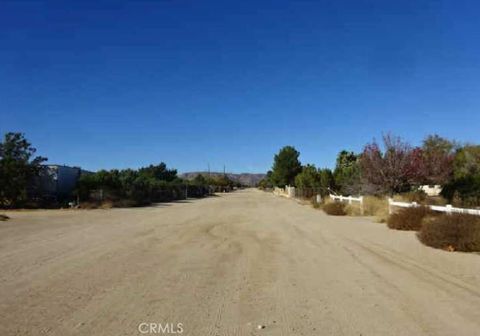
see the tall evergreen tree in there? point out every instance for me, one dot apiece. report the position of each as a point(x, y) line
point(286, 166)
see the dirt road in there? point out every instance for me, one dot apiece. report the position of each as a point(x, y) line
point(225, 265)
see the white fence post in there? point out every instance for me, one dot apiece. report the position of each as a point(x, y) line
point(448, 209)
point(361, 205)
point(319, 198)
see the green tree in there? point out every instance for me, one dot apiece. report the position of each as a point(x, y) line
point(200, 180)
point(438, 154)
point(286, 166)
point(347, 173)
point(327, 181)
point(159, 172)
point(464, 188)
point(308, 178)
point(467, 161)
point(18, 167)
point(319, 181)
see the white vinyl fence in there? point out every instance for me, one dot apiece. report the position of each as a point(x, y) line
point(448, 208)
point(348, 199)
point(285, 192)
point(290, 193)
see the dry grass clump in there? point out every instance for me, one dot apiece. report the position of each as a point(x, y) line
point(353, 209)
point(420, 197)
point(89, 205)
point(437, 200)
point(372, 206)
point(409, 219)
point(106, 204)
point(455, 232)
point(411, 196)
point(109, 204)
point(4, 217)
point(335, 209)
point(375, 206)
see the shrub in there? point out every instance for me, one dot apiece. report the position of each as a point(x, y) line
point(335, 209)
point(456, 232)
point(436, 200)
point(126, 188)
point(4, 217)
point(418, 196)
point(464, 191)
point(409, 219)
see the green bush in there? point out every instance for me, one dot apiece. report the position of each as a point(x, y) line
point(456, 232)
point(125, 188)
point(463, 191)
point(335, 209)
point(409, 219)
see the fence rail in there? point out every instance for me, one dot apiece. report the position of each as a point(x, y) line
point(348, 199)
point(290, 192)
point(447, 209)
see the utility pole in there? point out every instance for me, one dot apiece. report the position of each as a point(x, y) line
point(209, 179)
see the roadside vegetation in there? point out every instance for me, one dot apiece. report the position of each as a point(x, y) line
point(393, 168)
point(456, 232)
point(152, 184)
point(18, 167)
point(335, 208)
point(409, 219)
point(21, 172)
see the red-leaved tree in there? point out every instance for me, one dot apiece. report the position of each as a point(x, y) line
point(392, 170)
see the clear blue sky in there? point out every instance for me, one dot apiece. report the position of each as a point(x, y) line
point(125, 84)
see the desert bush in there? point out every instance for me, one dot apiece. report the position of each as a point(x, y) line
point(353, 209)
point(126, 188)
point(436, 200)
point(409, 219)
point(418, 196)
point(335, 209)
point(464, 191)
point(4, 217)
point(456, 232)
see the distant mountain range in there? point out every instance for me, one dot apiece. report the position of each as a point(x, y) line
point(244, 178)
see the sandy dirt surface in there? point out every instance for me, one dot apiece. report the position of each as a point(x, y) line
point(225, 265)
